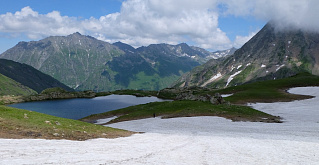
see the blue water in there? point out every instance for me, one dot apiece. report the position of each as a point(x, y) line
point(79, 108)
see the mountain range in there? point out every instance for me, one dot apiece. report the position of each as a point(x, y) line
point(85, 63)
point(270, 54)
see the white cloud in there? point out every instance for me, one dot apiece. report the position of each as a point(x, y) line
point(138, 23)
point(35, 25)
point(241, 40)
point(143, 22)
point(285, 14)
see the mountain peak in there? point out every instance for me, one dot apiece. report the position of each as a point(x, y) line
point(270, 54)
point(125, 47)
point(77, 33)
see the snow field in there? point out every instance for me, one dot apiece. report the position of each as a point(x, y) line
point(193, 140)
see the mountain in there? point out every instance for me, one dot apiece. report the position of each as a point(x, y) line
point(83, 62)
point(28, 76)
point(71, 59)
point(270, 54)
point(11, 87)
point(216, 54)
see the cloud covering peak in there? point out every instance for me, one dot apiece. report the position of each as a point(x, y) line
point(284, 14)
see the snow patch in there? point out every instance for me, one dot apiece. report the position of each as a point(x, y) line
point(231, 77)
point(226, 95)
point(218, 75)
point(103, 121)
point(239, 66)
point(289, 42)
point(232, 68)
point(280, 67)
point(263, 66)
point(248, 64)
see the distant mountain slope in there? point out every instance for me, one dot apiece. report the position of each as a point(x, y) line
point(83, 62)
point(28, 76)
point(11, 87)
point(71, 59)
point(270, 54)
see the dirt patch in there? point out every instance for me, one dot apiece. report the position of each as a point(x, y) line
point(79, 136)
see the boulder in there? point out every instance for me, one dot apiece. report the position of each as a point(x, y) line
point(217, 99)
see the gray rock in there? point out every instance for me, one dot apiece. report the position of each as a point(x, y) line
point(217, 99)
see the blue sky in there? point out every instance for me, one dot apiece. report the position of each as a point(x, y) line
point(211, 24)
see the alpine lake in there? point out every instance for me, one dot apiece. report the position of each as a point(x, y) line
point(82, 107)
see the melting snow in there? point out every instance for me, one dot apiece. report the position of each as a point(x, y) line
point(280, 67)
point(212, 79)
point(226, 95)
point(190, 140)
point(232, 68)
point(231, 77)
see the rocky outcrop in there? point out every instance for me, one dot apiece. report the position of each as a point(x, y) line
point(216, 99)
point(59, 93)
point(192, 93)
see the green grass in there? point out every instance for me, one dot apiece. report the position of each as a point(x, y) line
point(13, 123)
point(185, 109)
point(11, 87)
point(270, 90)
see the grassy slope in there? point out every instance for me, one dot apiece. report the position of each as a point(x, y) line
point(185, 109)
point(11, 87)
point(13, 124)
point(270, 90)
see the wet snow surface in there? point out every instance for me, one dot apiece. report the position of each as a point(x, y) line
point(194, 140)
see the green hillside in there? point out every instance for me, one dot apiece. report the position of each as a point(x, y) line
point(29, 76)
point(18, 123)
point(11, 87)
